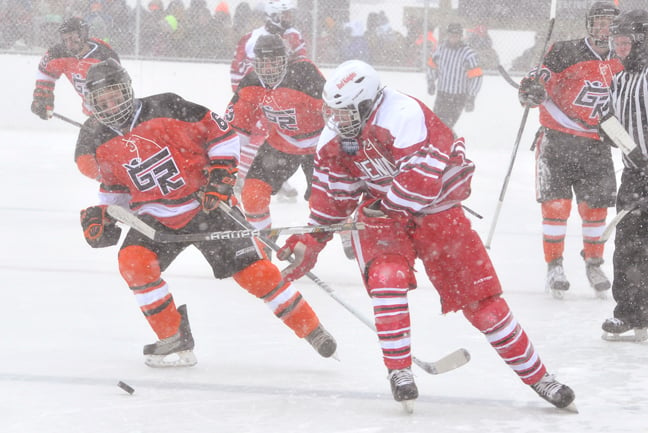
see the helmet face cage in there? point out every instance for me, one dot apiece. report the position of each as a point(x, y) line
point(112, 104)
point(271, 69)
point(598, 21)
point(347, 122)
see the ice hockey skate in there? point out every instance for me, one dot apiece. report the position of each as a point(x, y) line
point(403, 388)
point(619, 330)
point(555, 393)
point(323, 342)
point(596, 277)
point(175, 351)
point(287, 193)
point(557, 283)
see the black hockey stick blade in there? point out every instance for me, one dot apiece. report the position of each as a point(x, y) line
point(448, 363)
point(67, 119)
point(507, 76)
point(123, 215)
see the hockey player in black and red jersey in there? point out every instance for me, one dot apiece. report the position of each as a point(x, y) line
point(279, 17)
point(388, 156)
point(172, 162)
point(287, 96)
point(72, 58)
point(571, 89)
point(629, 92)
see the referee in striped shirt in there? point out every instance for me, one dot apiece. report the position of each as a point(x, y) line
point(454, 67)
point(629, 97)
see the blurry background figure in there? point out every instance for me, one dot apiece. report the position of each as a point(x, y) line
point(480, 41)
point(456, 74)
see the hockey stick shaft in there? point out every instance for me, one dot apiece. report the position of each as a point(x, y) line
point(507, 77)
point(125, 216)
point(525, 115)
point(449, 362)
point(67, 119)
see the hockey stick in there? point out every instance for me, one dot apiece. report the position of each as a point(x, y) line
point(491, 232)
point(613, 223)
point(125, 216)
point(507, 76)
point(449, 362)
point(67, 119)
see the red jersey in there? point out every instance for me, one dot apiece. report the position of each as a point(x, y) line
point(577, 82)
point(244, 53)
point(405, 156)
point(292, 112)
point(159, 164)
point(57, 61)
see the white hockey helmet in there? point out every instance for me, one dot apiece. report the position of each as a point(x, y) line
point(350, 96)
point(279, 14)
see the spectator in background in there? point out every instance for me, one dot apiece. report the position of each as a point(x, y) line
point(199, 30)
point(123, 25)
point(354, 45)
point(456, 72)
point(245, 20)
point(17, 18)
point(224, 33)
point(175, 18)
point(385, 44)
point(480, 41)
point(156, 31)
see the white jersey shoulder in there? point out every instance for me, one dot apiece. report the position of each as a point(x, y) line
point(403, 117)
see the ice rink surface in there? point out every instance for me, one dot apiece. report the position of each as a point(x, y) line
point(71, 328)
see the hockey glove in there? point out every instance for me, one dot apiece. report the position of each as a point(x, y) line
point(43, 103)
point(470, 104)
point(531, 92)
point(431, 86)
point(99, 229)
point(221, 178)
point(306, 248)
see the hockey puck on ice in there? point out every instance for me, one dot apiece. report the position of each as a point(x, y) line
point(126, 387)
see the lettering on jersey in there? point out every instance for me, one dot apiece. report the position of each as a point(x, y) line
point(376, 165)
point(78, 82)
point(594, 95)
point(346, 80)
point(229, 113)
point(285, 119)
point(222, 124)
point(158, 171)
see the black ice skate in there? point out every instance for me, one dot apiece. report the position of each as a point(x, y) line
point(597, 279)
point(403, 387)
point(555, 392)
point(615, 329)
point(557, 282)
point(175, 351)
point(322, 341)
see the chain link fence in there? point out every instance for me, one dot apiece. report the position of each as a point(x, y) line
point(388, 34)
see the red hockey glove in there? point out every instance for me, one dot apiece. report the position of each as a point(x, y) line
point(531, 92)
point(221, 179)
point(99, 229)
point(306, 248)
point(43, 103)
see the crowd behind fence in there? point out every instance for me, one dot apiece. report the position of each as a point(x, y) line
point(335, 30)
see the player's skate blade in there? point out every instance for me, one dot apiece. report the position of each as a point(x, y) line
point(178, 359)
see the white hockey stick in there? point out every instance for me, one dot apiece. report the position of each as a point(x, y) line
point(125, 216)
point(447, 363)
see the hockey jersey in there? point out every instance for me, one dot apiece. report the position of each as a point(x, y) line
point(58, 61)
point(292, 111)
point(577, 82)
point(244, 53)
point(158, 165)
point(405, 156)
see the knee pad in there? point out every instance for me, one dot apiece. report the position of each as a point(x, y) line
point(138, 266)
point(260, 278)
point(256, 195)
point(389, 270)
point(487, 312)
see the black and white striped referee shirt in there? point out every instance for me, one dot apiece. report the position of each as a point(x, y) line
point(457, 69)
point(629, 98)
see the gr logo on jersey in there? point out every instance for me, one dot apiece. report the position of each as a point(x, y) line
point(594, 95)
point(158, 171)
point(285, 119)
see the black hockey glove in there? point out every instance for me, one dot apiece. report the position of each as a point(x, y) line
point(470, 104)
point(531, 92)
point(99, 229)
point(221, 178)
point(43, 103)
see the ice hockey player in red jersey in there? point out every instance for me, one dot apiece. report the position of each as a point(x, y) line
point(572, 90)
point(389, 156)
point(72, 58)
point(287, 96)
point(279, 16)
point(172, 162)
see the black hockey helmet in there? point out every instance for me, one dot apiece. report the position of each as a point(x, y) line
point(597, 10)
point(270, 59)
point(634, 24)
point(105, 77)
point(75, 24)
